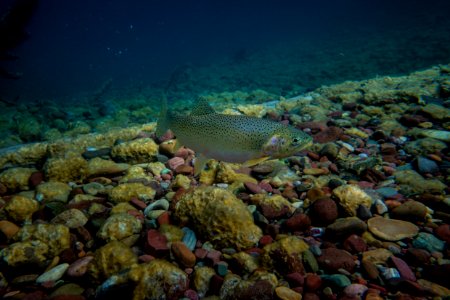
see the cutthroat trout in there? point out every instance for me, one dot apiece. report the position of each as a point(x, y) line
point(230, 138)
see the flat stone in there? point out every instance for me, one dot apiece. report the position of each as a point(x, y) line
point(285, 293)
point(183, 254)
point(391, 229)
point(53, 274)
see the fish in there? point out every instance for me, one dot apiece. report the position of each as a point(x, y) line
point(230, 138)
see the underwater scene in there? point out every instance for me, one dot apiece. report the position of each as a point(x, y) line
point(243, 150)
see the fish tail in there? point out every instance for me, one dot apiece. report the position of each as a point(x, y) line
point(163, 119)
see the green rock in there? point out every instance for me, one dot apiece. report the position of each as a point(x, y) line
point(337, 280)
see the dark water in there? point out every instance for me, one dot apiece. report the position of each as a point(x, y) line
point(185, 48)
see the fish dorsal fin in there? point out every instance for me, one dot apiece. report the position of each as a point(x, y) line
point(202, 107)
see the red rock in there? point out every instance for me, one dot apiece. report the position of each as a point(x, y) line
point(295, 279)
point(417, 257)
point(36, 295)
point(215, 284)
point(324, 211)
point(253, 188)
point(164, 218)
point(79, 267)
point(266, 186)
point(298, 222)
point(174, 162)
point(310, 296)
point(404, 270)
point(146, 258)
point(289, 193)
point(331, 134)
point(183, 254)
point(271, 212)
point(200, 253)
point(139, 204)
point(354, 244)
point(36, 178)
point(156, 243)
point(312, 282)
point(265, 240)
point(443, 232)
point(184, 169)
point(213, 256)
point(333, 259)
point(191, 294)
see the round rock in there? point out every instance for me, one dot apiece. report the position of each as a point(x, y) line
point(391, 229)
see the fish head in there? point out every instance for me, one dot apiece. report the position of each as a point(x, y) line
point(286, 142)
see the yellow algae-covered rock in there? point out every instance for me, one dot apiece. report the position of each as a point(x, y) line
point(158, 279)
point(227, 174)
point(23, 154)
point(36, 244)
point(24, 253)
point(412, 182)
point(437, 112)
point(285, 293)
point(20, 208)
point(260, 285)
point(208, 174)
point(202, 278)
point(54, 191)
point(285, 255)
point(219, 216)
point(73, 167)
point(98, 166)
point(119, 226)
point(135, 173)
point(72, 218)
point(247, 262)
point(272, 206)
point(111, 259)
point(391, 229)
point(156, 168)
point(122, 207)
point(136, 151)
point(356, 132)
point(252, 110)
point(181, 181)
point(16, 179)
point(171, 232)
point(125, 191)
point(378, 256)
point(351, 196)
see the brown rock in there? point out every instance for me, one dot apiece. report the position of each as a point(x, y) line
point(370, 268)
point(36, 178)
point(355, 244)
point(410, 211)
point(9, 229)
point(79, 267)
point(183, 254)
point(312, 282)
point(285, 293)
point(298, 222)
point(443, 232)
point(156, 243)
point(184, 169)
point(253, 188)
point(333, 259)
point(391, 229)
point(324, 211)
point(417, 257)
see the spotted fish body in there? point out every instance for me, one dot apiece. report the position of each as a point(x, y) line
point(232, 138)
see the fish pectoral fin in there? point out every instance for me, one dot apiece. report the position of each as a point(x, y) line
point(199, 164)
point(255, 161)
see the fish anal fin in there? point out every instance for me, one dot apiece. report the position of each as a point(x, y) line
point(202, 107)
point(255, 161)
point(199, 164)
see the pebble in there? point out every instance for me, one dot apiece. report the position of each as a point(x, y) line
point(189, 238)
point(425, 165)
point(9, 229)
point(344, 227)
point(175, 162)
point(298, 222)
point(183, 254)
point(355, 290)
point(354, 244)
point(285, 293)
point(253, 188)
point(53, 274)
point(428, 242)
point(312, 282)
point(156, 243)
point(72, 218)
point(410, 211)
point(79, 267)
point(324, 211)
point(403, 268)
point(391, 229)
point(337, 280)
point(333, 259)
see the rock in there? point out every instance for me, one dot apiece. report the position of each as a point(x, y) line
point(312, 282)
point(391, 229)
point(428, 242)
point(324, 211)
point(403, 268)
point(425, 165)
point(111, 259)
point(436, 111)
point(285, 293)
point(20, 208)
point(378, 256)
point(351, 196)
point(295, 279)
point(16, 179)
point(124, 192)
point(93, 188)
point(79, 267)
point(246, 261)
point(8, 229)
point(261, 285)
point(434, 288)
point(175, 162)
point(263, 169)
point(354, 244)
point(119, 227)
point(201, 279)
point(99, 167)
point(70, 290)
point(285, 255)
point(336, 280)
point(441, 135)
point(36, 244)
point(417, 257)
point(72, 218)
point(355, 290)
point(370, 269)
point(424, 146)
point(156, 243)
point(181, 181)
point(442, 231)
point(71, 167)
point(189, 238)
point(298, 222)
point(273, 206)
point(333, 259)
point(410, 211)
point(53, 274)
point(253, 188)
point(183, 254)
point(136, 151)
point(219, 216)
point(412, 182)
point(158, 279)
point(54, 191)
point(343, 227)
